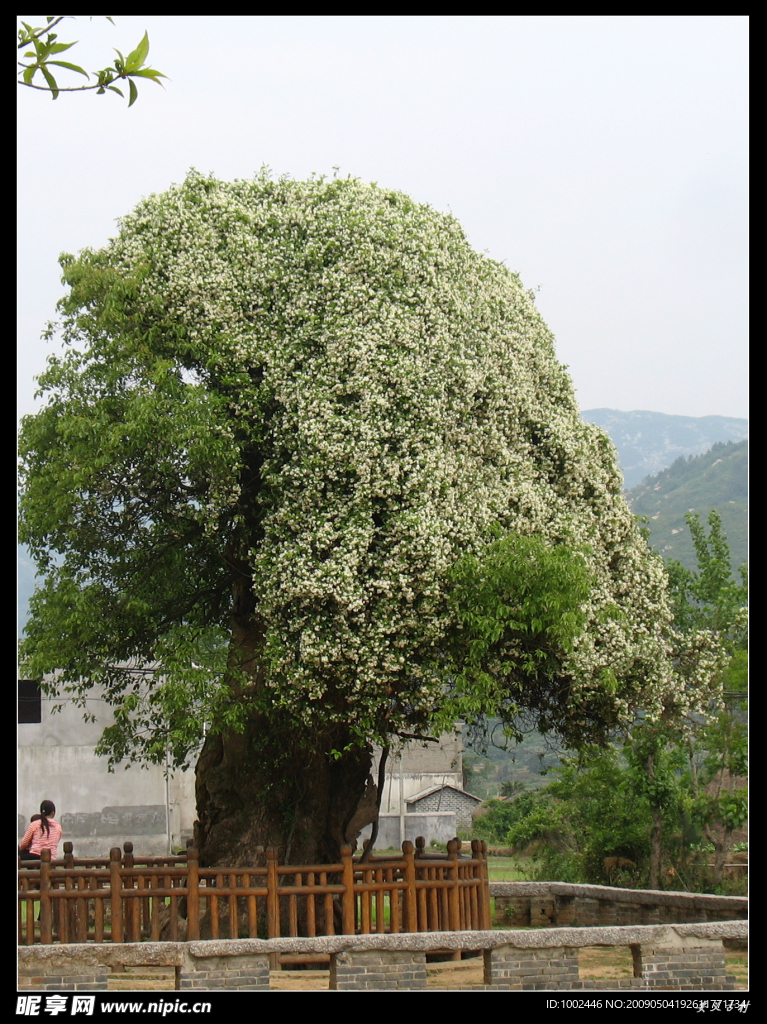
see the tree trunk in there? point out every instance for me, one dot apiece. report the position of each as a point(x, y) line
point(722, 845)
point(656, 846)
point(656, 834)
point(271, 785)
point(260, 788)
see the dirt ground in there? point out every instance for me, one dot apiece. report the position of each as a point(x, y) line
point(596, 962)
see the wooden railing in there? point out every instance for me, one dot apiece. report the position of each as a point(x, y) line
point(126, 899)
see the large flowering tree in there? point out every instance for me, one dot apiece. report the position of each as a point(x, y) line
point(313, 460)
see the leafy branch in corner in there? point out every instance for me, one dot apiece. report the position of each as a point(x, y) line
point(45, 47)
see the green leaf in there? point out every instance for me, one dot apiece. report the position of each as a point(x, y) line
point(148, 73)
point(137, 57)
point(71, 67)
point(51, 82)
point(60, 47)
point(133, 92)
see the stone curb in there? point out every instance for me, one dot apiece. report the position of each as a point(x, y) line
point(174, 953)
point(642, 897)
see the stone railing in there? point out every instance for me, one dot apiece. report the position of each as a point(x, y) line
point(560, 904)
point(665, 957)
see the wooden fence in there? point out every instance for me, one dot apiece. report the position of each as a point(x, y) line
point(127, 899)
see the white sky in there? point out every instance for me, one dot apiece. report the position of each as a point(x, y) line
point(603, 158)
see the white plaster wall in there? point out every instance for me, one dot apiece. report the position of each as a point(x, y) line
point(434, 826)
point(57, 761)
point(418, 766)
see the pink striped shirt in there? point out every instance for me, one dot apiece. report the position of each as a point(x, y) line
point(35, 839)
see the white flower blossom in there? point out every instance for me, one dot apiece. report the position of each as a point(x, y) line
point(404, 396)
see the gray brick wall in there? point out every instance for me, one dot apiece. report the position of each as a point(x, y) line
point(93, 979)
point(513, 968)
point(448, 799)
point(686, 967)
point(377, 970)
point(247, 972)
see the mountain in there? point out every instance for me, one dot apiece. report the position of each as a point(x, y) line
point(647, 442)
point(717, 479)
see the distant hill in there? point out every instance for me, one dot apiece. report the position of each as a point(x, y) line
point(647, 442)
point(717, 479)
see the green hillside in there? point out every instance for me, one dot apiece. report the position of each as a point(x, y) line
point(717, 479)
point(648, 442)
point(487, 766)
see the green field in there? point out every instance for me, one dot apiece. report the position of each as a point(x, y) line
point(507, 869)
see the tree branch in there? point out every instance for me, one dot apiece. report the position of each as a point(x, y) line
point(41, 32)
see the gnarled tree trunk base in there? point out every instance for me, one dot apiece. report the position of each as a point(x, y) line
point(264, 788)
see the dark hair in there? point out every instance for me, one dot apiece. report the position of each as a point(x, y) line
point(47, 810)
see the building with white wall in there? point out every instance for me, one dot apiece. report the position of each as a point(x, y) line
point(97, 809)
point(154, 809)
point(423, 792)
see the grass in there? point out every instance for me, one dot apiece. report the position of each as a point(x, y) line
point(500, 869)
point(507, 869)
point(24, 910)
point(737, 964)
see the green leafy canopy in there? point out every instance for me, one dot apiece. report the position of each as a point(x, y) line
point(312, 400)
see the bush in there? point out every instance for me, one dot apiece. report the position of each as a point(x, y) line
point(496, 817)
point(587, 825)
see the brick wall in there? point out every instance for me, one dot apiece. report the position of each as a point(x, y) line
point(674, 958)
point(89, 978)
point(560, 904)
point(378, 970)
point(696, 965)
point(513, 968)
point(209, 972)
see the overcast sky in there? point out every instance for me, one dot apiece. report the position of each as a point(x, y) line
point(603, 158)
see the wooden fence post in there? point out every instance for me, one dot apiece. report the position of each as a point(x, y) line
point(453, 895)
point(272, 899)
point(46, 936)
point(73, 909)
point(348, 899)
point(132, 907)
point(479, 850)
point(98, 912)
point(193, 893)
point(411, 907)
point(115, 895)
